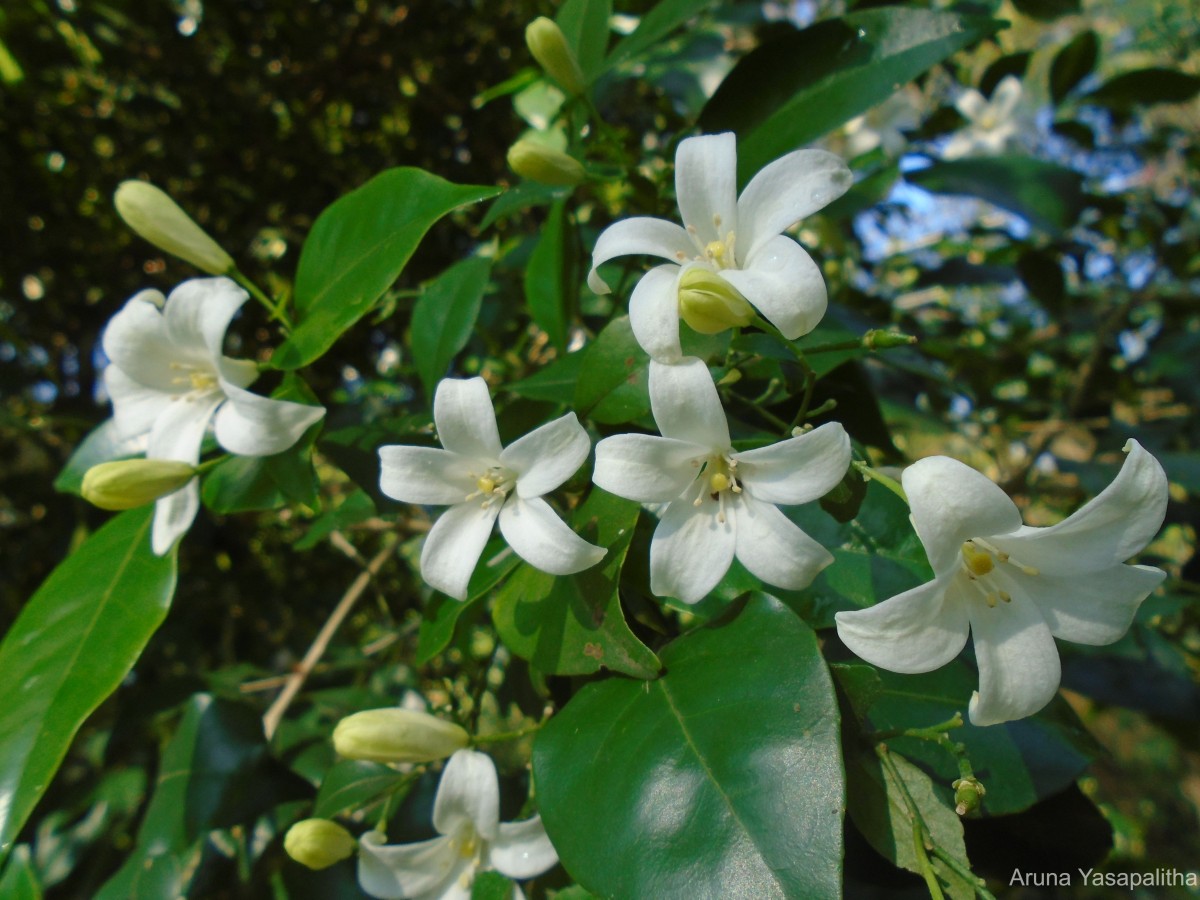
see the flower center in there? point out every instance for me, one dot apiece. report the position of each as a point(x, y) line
point(719, 253)
point(493, 485)
point(717, 477)
point(979, 560)
point(201, 378)
point(466, 842)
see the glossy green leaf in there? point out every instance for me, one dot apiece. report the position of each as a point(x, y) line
point(723, 778)
point(100, 445)
point(20, 880)
point(357, 248)
point(550, 281)
point(555, 383)
point(1145, 87)
point(353, 783)
point(613, 386)
point(521, 197)
point(584, 23)
point(444, 317)
point(1073, 63)
point(664, 18)
point(73, 643)
point(573, 624)
point(793, 90)
point(491, 886)
point(1049, 196)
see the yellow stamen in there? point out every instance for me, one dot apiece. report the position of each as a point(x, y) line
point(719, 482)
point(979, 562)
point(486, 485)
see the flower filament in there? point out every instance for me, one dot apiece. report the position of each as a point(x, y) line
point(201, 378)
point(493, 485)
point(978, 560)
point(717, 476)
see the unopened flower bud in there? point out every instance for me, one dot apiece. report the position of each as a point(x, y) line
point(129, 483)
point(318, 843)
point(878, 339)
point(396, 735)
point(539, 163)
point(710, 304)
point(968, 793)
point(549, 47)
point(156, 217)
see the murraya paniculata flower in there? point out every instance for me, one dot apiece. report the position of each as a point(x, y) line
point(1013, 587)
point(991, 124)
point(466, 815)
point(169, 379)
point(721, 502)
point(738, 239)
point(481, 482)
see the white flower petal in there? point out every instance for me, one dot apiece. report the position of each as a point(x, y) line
point(253, 425)
point(240, 372)
point(135, 407)
point(393, 871)
point(425, 475)
point(522, 849)
point(1005, 97)
point(469, 792)
point(654, 313)
point(640, 235)
point(646, 468)
point(198, 313)
point(454, 545)
point(179, 430)
point(542, 539)
point(547, 456)
point(173, 516)
point(952, 503)
point(686, 405)
point(690, 551)
point(971, 104)
point(919, 630)
point(1113, 526)
point(1019, 670)
point(136, 342)
point(773, 548)
point(1095, 607)
point(786, 191)
point(465, 418)
point(783, 283)
point(706, 185)
point(797, 470)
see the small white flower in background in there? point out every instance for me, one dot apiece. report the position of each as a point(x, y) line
point(466, 813)
point(992, 124)
point(168, 378)
point(722, 503)
point(884, 125)
point(1013, 586)
point(739, 238)
point(480, 482)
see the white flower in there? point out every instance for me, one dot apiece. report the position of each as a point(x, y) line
point(738, 237)
point(168, 379)
point(722, 503)
point(884, 125)
point(1015, 587)
point(480, 481)
point(466, 813)
point(991, 123)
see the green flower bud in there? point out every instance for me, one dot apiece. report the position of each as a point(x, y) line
point(318, 843)
point(129, 483)
point(537, 162)
point(878, 339)
point(155, 216)
point(968, 793)
point(710, 304)
point(396, 735)
point(549, 47)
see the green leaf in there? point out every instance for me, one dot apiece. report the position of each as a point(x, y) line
point(612, 386)
point(1047, 10)
point(793, 90)
point(584, 24)
point(1072, 64)
point(444, 317)
point(20, 881)
point(549, 277)
point(735, 748)
point(521, 197)
point(356, 508)
point(491, 886)
point(655, 25)
point(351, 784)
point(573, 624)
point(357, 248)
point(1145, 87)
point(100, 445)
point(555, 383)
point(73, 643)
point(1049, 196)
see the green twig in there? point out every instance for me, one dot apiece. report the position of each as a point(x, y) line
point(502, 736)
point(920, 832)
point(275, 309)
point(875, 475)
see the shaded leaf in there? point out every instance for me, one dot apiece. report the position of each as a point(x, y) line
point(444, 317)
point(1048, 10)
point(584, 23)
point(549, 277)
point(664, 18)
point(351, 784)
point(555, 383)
point(20, 881)
point(100, 445)
point(613, 386)
point(1072, 64)
point(1145, 87)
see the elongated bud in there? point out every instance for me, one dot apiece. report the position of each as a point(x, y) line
point(537, 162)
point(878, 339)
point(318, 843)
point(395, 735)
point(968, 793)
point(549, 47)
point(710, 304)
point(129, 483)
point(155, 216)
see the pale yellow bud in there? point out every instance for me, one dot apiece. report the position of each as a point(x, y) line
point(710, 304)
point(129, 483)
point(549, 47)
point(155, 216)
point(396, 735)
point(539, 163)
point(318, 843)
